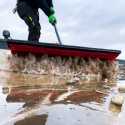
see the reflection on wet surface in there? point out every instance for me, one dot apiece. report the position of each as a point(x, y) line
point(28, 99)
point(34, 120)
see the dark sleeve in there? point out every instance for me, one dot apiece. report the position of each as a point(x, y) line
point(49, 2)
point(42, 4)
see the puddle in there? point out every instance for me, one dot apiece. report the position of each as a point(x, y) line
point(51, 90)
point(28, 99)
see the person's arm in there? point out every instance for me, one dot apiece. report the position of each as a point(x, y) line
point(44, 6)
point(50, 3)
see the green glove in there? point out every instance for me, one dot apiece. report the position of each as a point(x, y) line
point(52, 10)
point(52, 19)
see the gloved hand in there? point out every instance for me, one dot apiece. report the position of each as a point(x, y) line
point(52, 10)
point(52, 19)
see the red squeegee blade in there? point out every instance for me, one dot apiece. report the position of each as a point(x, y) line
point(55, 51)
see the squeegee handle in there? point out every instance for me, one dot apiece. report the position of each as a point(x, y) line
point(57, 34)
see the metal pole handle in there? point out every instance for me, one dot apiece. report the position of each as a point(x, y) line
point(57, 34)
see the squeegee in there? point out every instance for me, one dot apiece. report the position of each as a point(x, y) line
point(20, 46)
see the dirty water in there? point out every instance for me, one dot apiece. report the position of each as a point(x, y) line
point(29, 99)
point(59, 65)
point(40, 91)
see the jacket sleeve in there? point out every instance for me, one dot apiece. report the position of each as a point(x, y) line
point(49, 2)
point(42, 4)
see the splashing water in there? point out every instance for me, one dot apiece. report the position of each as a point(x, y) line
point(4, 62)
point(63, 66)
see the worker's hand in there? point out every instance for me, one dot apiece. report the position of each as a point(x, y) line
point(52, 10)
point(52, 19)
